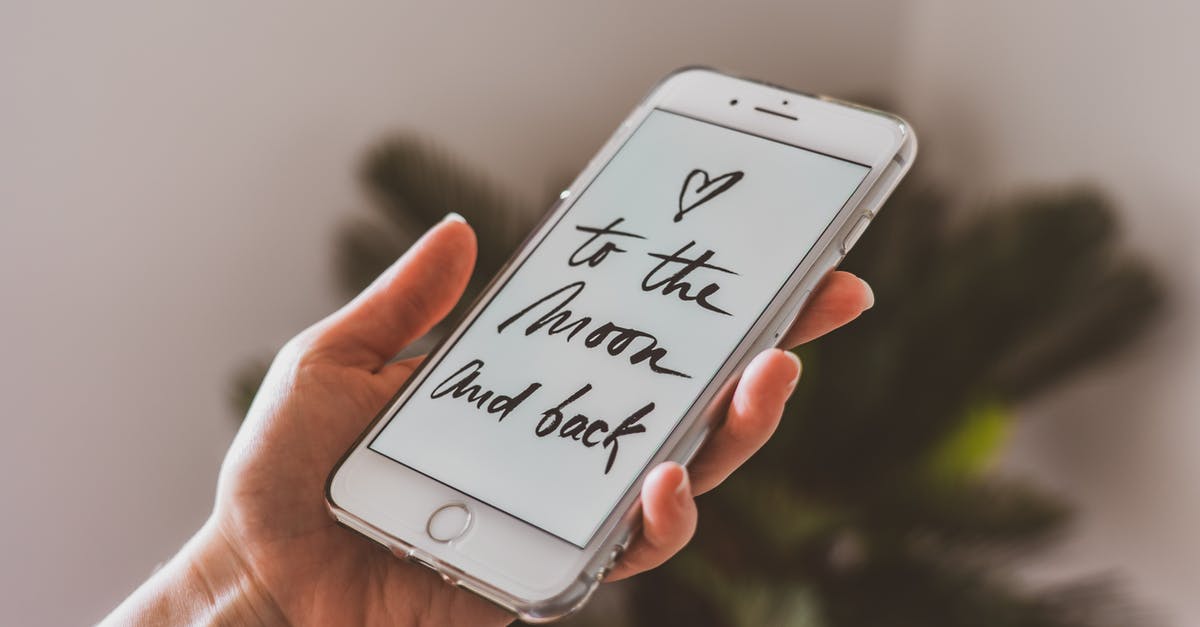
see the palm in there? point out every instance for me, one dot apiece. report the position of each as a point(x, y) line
point(273, 482)
point(327, 384)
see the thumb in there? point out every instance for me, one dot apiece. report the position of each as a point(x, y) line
point(404, 302)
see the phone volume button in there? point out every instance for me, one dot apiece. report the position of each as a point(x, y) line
point(695, 448)
point(613, 556)
point(855, 232)
point(791, 317)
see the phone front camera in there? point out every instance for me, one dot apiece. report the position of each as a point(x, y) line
point(733, 102)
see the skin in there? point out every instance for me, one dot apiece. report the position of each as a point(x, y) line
point(271, 554)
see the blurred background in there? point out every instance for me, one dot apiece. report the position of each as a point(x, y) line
point(184, 187)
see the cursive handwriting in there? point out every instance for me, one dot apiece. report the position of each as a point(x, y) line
point(598, 255)
point(462, 383)
point(619, 338)
point(675, 283)
point(581, 428)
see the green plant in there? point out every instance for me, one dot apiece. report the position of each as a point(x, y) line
point(873, 504)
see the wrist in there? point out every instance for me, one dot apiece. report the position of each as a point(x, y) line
point(208, 581)
point(234, 594)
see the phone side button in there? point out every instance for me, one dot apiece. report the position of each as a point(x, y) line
point(856, 232)
point(695, 448)
point(791, 318)
point(613, 556)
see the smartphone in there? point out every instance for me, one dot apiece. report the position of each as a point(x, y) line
point(512, 460)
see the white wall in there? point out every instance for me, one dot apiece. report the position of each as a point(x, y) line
point(170, 176)
point(1043, 92)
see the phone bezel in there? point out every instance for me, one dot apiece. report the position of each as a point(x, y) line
point(520, 566)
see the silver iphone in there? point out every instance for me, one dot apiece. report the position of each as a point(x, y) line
point(512, 460)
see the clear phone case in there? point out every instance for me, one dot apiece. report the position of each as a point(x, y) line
point(691, 432)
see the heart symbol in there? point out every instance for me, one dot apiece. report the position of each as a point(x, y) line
point(718, 185)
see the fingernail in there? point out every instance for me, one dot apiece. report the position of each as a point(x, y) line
point(454, 217)
point(683, 491)
point(870, 293)
point(799, 368)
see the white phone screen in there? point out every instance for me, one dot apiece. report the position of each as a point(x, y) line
point(570, 379)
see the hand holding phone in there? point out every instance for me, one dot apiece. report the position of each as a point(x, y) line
point(271, 554)
point(328, 383)
point(271, 549)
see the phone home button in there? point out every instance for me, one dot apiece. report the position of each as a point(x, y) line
point(448, 522)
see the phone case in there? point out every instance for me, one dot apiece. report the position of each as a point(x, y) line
point(689, 436)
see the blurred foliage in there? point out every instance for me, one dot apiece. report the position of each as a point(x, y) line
point(872, 501)
point(414, 185)
point(872, 505)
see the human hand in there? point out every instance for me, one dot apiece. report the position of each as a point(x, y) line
point(271, 553)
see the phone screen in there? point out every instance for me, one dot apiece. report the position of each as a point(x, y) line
point(561, 390)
